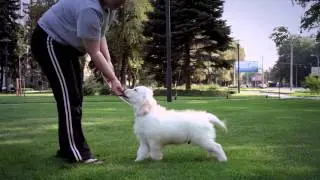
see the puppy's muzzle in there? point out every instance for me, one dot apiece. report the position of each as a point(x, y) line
point(124, 94)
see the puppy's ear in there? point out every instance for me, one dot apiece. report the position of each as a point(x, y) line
point(145, 108)
point(148, 94)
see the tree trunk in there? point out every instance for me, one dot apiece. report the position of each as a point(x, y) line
point(187, 68)
point(117, 67)
point(133, 80)
point(1, 76)
point(129, 78)
point(124, 68)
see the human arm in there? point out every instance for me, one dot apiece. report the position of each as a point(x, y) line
point(93, 49)
point(89, 30)
point(105, 51)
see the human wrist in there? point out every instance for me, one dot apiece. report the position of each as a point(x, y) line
point(112, 78)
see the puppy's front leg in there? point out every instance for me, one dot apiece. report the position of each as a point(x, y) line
point(143, 151)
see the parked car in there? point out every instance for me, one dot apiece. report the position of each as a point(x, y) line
point(262, 85)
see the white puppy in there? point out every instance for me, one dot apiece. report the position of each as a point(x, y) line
point(156, 127)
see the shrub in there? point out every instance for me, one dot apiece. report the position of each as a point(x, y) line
point(313, 83)
point(104, 90)
point(180, 92)
point(89, 90)
point(90, 86)
point(214, 87)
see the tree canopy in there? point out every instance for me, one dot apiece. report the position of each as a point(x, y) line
point(303, 48)
point(311, 18)
point(9, 40)
point(198, 33)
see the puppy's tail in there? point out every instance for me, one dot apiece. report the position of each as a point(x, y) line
point(216, 121)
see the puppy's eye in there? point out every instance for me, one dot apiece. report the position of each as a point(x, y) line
point(135, 90)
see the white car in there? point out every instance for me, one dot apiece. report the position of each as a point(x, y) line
point(262, 85)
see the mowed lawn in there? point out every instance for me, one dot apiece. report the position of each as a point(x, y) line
point(267, 139)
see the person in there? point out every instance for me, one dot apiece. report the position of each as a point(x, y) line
point(66, 31)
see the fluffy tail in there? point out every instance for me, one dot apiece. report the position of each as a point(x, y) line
point(216, 121)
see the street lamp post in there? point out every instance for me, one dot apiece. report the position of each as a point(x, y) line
point(18, 88)
point(238, 50)
point(262, 72)
point(168, 35)
point(296, 76)
point(291, 64)
point(279, 71)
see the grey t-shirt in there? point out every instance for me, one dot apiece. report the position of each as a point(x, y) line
point(70, 21)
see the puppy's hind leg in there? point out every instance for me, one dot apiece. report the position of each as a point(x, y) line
point(143, 151)
point(156, 151)
point(213, 147)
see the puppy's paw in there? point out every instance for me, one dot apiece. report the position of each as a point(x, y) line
point(138, 159)
point(222, 159)
point(157, 158)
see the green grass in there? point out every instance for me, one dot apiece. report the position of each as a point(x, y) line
point(267, 139)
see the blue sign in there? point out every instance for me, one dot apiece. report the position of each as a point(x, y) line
point(248, 66)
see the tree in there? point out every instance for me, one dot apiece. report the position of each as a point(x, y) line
point(280, 35)
point(37, 8)
point(303, 47)
point(125, 40)
point(8, 30)
point(197, 30)
point(30, 69)
point(225, 75)
point(268, 76)
point(231, 54)
point(311, 18)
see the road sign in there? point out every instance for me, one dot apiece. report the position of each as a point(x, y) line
point(248, 66)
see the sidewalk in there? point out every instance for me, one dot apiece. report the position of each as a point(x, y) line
point(284, 94)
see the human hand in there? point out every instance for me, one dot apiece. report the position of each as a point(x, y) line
point(116, 87)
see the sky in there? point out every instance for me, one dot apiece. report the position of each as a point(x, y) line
point(252, 22)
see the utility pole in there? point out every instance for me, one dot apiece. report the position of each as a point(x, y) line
point(318, 59)
point(234, 73)
point(6, 68)
point(18, 80)
point(262, 73)
point(296, 76)
point(238, 49)
point(168, 34)
point(291, 64)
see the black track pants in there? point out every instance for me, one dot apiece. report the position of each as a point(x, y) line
point(61, 65)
